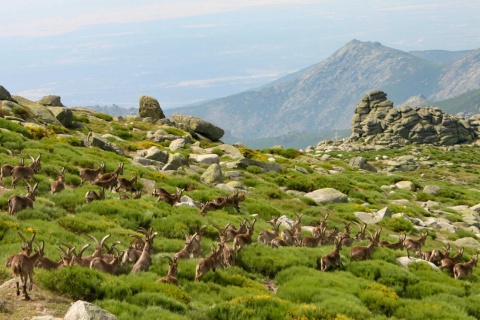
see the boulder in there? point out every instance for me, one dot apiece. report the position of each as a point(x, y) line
point(82, 310)
point(361, 163)
point(199, 126)
point(51, 101)
point(212, 175)
point(95, 140)
point(150, 108)
point(405, 261)
point(4, 94)
point(63, 115)
point(205, 158)
point(154, 153)
point(406, 185)
point(433, 190)
point(327, 195)
point(177, 144)
point(244, 163)
point(38, 110)
point(175, 161)
point(227, 149)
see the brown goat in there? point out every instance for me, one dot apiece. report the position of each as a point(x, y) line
point(27, 247)
point(209, 263)
point(170, 198)
point(331, 259)
point(22, 269)
point(171, 276)
point(125, 184)
point(59, 184)
point(143, 263)
point(6, 170)
point(18, 203)
point(394, 246)
point(213, 205)
point(415, 245)
point(365, 252)
point(108, 176)
point(266, 236)
point(26, 172)
point(449, 263)
point(92, 195)
point(100, 264)
point(465, 269)
point(88, 174)
point(241, 240)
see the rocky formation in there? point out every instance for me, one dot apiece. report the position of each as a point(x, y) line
point(377, 121)
point(150, 108)
point(198, 126)
point(51, 101)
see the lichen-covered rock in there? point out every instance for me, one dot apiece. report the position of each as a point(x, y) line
point(63, 115)
point(150, 108)
point(51, 101)
point(5, 94)
point(361, 162)
point(199, 126)
point(212, 175)
point(37, 110)
point(82, 310)
point(327, 195)
point(175, 161)
point(95, 140)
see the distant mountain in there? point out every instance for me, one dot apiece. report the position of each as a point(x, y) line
point(323, 97)
point(114, 110)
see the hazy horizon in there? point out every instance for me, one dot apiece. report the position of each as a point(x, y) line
point(183, 52)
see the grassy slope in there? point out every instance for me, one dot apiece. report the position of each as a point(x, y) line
point(372, 289)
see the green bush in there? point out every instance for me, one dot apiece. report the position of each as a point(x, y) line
point(379, 299)
point(420, 310)
point(145, 299)
point(74, 282)
point(103, 116)
point(397, 224)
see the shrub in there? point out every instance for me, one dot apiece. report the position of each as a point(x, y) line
point(397, 224)
point(379, 299)
point(75, 282)
point(103, 116)
point(255, 169)
point(145, 299)
point(420, 309)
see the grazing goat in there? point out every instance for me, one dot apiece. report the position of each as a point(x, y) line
point(125, 184)
point(170, 198)
point(92, 195)
point(196, 240)
point(228, 254)
point(278, 242)
point(215, 204)
point(88, 174)
point(365, 252)
point(59, 184)
point(143, 263)
point(313, 241)
point(414, 245)
point(241, 240)
point(22, 269)
point(209, 263)
point(27, 247)
point(171, 276)
point(26, 172)
point(333, 258)
point(234, 199)
point(134, 252)
point(394, 246)
point(18, 203)
point(231, 232)
point(108, 183)
point(465, 269)
point(100, 264)
point(6, 170)
point(266, 236)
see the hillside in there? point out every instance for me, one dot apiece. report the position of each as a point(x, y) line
point(321, 97)
point(409, 191)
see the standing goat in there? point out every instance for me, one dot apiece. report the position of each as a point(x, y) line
point(92, 195)
point(22, 268)
point(143, 263)
point(108, 176)
point(186, 251)
point(437, 256)
point(265, 236)
point(241, 240)
point(449, 263)
point(27, 247)
point(59, 184)
point(88, 174)
point(209, 263)
point(18, 203)
point(415, 245)
point(26, 172)
point(465, 269)
point(171, 276)
point(362, 252)
point(6, 170)
point(125, 184)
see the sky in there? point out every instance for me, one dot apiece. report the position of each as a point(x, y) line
point(92, 52)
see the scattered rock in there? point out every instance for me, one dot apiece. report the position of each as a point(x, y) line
point(327, 195)
point(150, 108)
point(212, 175)
point(199, 126)
point(82, 310)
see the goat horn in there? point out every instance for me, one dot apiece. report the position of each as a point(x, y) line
point(168, 257)
point(94, 239)
point(23, 238)
point(104, 238)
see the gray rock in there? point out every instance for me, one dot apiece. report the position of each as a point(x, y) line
point(155, 153)
point(212, 175)
point(63, 115)
point(199, 126)
point(95, 140)
point(231, 151)
point(361, 163)
point(177, 144)
point(205, 158)
point(150, 108)
point(51, 101)
point(406, 185)
point(405, 261)
point(82, 310)
point(5, 94)
point(383, 213)
point(175, 161)
point(467, 242)
point(244, 163)
point(301, 169)
point(38, 110)
point(366, 217)
point(433, 190)
point(327, 195)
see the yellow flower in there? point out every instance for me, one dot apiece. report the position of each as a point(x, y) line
point(30, 230)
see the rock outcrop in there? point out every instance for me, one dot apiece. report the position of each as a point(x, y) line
point(150, 108)
point(199, 126)
point(376, 120)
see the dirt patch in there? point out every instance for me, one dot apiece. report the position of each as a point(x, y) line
point(271, 286)
point(42, 303)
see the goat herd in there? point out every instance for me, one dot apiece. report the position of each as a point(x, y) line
point(106, 258)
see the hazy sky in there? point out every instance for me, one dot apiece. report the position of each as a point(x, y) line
point(183, 51)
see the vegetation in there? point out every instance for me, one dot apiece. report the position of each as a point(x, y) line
point(266, 283)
